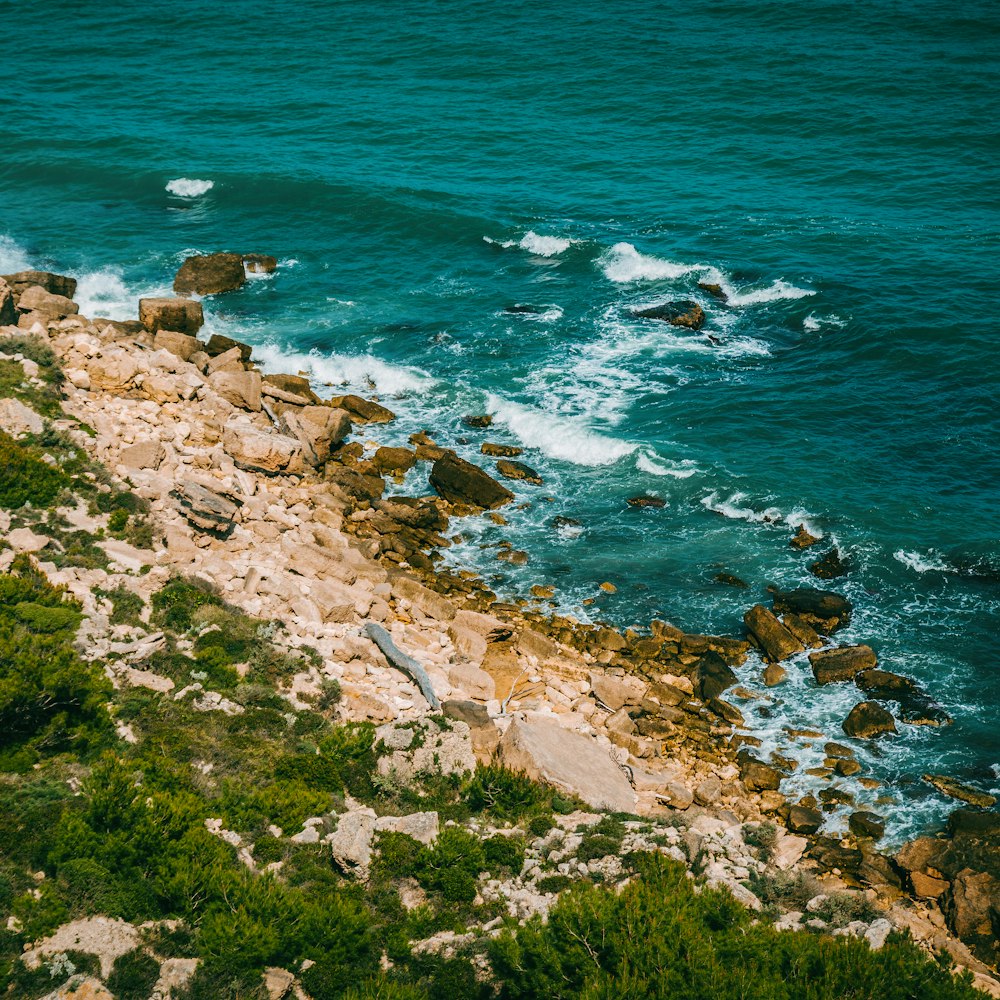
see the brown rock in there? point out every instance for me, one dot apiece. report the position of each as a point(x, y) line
point(711, 676)
point(320, 429)
point(37, 300)
point(973, 911)
point(802, 631)
point(958, 790)
point(181, 344)
point(356, 485)
point(646, 501)
point(775, 641)
point(472, 420)
point(294, 384)
point(824, 610)
point(394, 460)
point(803, 540)
point(802, 819)
point(207, 510)
point(829, 566)
point(363, 411)
point(500, 450)
point(617, 692)
point(8, 308)
point(518, 470)
point(758, 776)
point(55, 284)
point(774, 674)
point(261, 451)
point(210, 274)
point(869, 719)
point(680, 313)
point(180, 315)
point(841, 664)
point(866, 824)
point(462, 482)
point(927, 886)
point(716, 291)
point(217, 344)
point(728, 580)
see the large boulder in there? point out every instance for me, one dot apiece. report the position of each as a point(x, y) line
point(260, 263)
point(210, 274)
point(207, 509)
point(841, 664)
point(56, 284)
point(318, 428)
point(869, 719)
point(261, 451)
point(916, 707)
point(973, 911)
point(686, 313)
point(775, 641)
point(218, 344)
point(181, 344)
point(518, 470)
point(459, 481)
point(758, 776)
point(180, 315)
point(571, 762)
point(711, 676)
point(240, 388)
point(824, 610)
point(8, 308)
point(295, 385)
point(961, 791)
point(803, 819)
point(37, 300)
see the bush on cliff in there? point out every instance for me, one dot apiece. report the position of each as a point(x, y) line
point(25, 477)
point(660, 938)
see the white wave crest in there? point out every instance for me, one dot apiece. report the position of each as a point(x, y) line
point(13, 257)
point(921, 563)
point(623, 263)
point(736, 509)
point(649, 461)
point(812, 322)
point(361, 371)
point(557, 437)
point(774, 292)
point(541, 246)
point(189, 187)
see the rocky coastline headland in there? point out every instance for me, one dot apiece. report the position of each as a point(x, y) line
point(277, 497)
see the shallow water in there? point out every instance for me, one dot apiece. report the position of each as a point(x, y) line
point(834, 169)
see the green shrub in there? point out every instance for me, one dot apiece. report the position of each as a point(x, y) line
point(504, 854)
point(25, 478)
point(134, 975)
point(659, 939)
point(598, 845)
point(126, 605)
point(763, 836)
point(554, 883)
point(539, 826)
point(117, 521)
point(175, 603)
point(505, 794)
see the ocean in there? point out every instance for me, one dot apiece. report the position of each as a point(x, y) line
point(418, 169)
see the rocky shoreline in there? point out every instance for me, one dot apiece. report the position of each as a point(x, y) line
point(285, 502)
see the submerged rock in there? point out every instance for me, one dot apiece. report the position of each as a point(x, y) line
point(477, 420)
point(829, 566)
point(804, 540)
point(959, 790)
point(728, 580)
point(685, 312)
point(716, 291)
point(646, 501)
point(260, 263)
point(459, 481)
point(500, 450)
point(210, 274)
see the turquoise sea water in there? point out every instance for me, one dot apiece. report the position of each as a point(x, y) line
point(419, 167)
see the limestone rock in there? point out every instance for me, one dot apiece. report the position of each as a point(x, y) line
point(261, 451)
point(56, 284)
point(260, 263)
point(459, 481)
point(107, 938)
point(803, 539)
point(142, 455)
point(841, 664)
point(500, 450)
point(176, 314)
point(36, 299)
point(422, 826)
point(866, 824)
point(684, 313)
point(712, 675)
point(927, 886)
point(351, 843)
point(776, 642)
point(210, 274)
point(240, 388)
point(17, 419)
point(617, 691)
point(758, 776)
point(206, 509)
point(394, 460)
point(570, 761)
point(802, 819)
point(959, 790)
point(218, 344)
point(295, 385)
point(318, 428)
point(181, 344)
point(869, 719)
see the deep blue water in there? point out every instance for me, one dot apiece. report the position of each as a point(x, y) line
point(418, 168)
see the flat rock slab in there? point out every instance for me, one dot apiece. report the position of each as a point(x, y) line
point(570, 761)
point(831, 665)
point(207, 509)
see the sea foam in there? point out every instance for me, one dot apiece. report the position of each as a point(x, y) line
point(921, 563)
point(648, 461)
point(13, 257)
point(557, 437)
point(541, 246)
point(623, 263)
point(189, 187)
